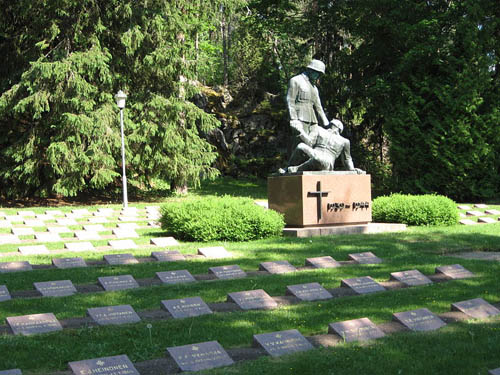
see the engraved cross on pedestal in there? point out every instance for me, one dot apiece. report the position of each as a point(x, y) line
point(319, 194)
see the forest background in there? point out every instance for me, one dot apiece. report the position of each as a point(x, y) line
point(415, 82)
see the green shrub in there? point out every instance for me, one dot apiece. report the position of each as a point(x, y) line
point(421, 210)
point(220, 219)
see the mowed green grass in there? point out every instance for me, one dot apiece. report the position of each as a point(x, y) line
point(470, 347)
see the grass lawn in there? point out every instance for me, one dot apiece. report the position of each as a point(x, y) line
point(470, 347)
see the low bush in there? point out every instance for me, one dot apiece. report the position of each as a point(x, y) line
point(421, 210)
point(220, 219)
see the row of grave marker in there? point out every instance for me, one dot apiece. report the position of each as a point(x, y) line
point(83, 212)
point(195, 306)
point(210, 354)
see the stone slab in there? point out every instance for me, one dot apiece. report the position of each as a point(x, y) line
point(476, 308)
point(362, 285)
point(321, 198)
point(322, 262)
point(130, 226)
point(59, 230)
point(252, 299)
point(419, 320)
point(167, 256)
point(33, 250)
point(8, 239)
point(117, 365)
point(128, 218)
point(14, 218)
point(492, 212)
point(34, 223)
point(22, 231)
point(125, 233)
point(494, 372)
point(411, 278)
point(80, 211)
point(175, 277)
point(113, 315)
point(15, 266)
point(486, 220)
point(366, 257)
point(65, 263)
point(216, 252)
point(282, 342)
point(66, 221)
point(129, 211)
point(228, 272)
point(45, 217)
point(464, 207)
point(455, 271)
point(87, 235)
point(26, 213)
point(122, 244)
point(474, 213)
point(104, 210)
point(47, 237)
point(79, 246)
point(94, 228)
point(5, 224)
point(164, 241)
point(15, 371)
point(308, 292)
point(54, 212)
point(60, 288)
point(72, 215)
point(118, 259)
point(468, 222)
point(97, 220)
point(186, 307)
point(4, 293)
point(480, 205)
point(111, 283)
point(153, 224)
point(200, 356)
point(33, 324)
point(277, 267)
point(356, 330)
point(369, 228)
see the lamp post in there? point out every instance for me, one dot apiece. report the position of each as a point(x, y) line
point(120, 98)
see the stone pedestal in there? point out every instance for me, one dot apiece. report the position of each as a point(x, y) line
point(321, 198)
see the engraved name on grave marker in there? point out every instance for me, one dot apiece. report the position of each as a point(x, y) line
point(117, 259)
point(200, 356)
point(117, 365)
point(227, 272)
point(365, 258)
point(362, 285)
point(308, 292)
point(33, 324)
point(411, 278)
point(167, 256)
point(69, 262)
point(4, 293)
point(60, 288)
point(175, 277)
point(186, 307)
point(322, 262)
point(282, 342)
point(252, 299)
point(115, 315)
point(455, 271)
point(476, 308)
point(15, 266)
point(419, 320)
point(110, 283)
point(356, 329)
point(277, 267)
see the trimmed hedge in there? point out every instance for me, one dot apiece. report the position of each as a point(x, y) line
point(420, 210)
point(220, 219)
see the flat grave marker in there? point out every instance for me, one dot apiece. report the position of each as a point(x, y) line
point(33, 250)
point(94, 228)
point(125, 233)
point(23, 231)
point(111, 283)
point(113, 315)
point(117, 365)
point(308, 292)
point(411, 278)
point(34, 223)
point(175, 277)
point(59, 230)
point(45, 217)
point(365, 258)
point(200, 356)
point(128, 218)
point(494, 372)
point(277, 267)
point(154, 224)
point(186, 307)
point(252, 299)
point(467, 222)
point(481, 205)
point(464, 207)
point(122, 244)
point(282, 342)
point(486, 220)
point(47, 237)
point(103, 210)
point(362, 285)
point(419, 320)
point(60, 288)
point(66, 221)
point(228, 272)
point(164, 241)
point(26, 213)
point(167, 256)
point(72, 215)
point(492, 212)
point(6, 239)
point(474, 213)
point(129, 226)
point(216, 252)
point(117, 259)
point(97, 220)
point(15, 371)
point(454, 271)
point(476, 308)
point(4, 293)
point(15, 266)
point(79, 246)
point(356, 330)
point(80, 211)
point(87, 235)
point(322, 262)
point(33, 324)
point(5, 224)
point(64, 263)
point(54, 212)
point(14, 218)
